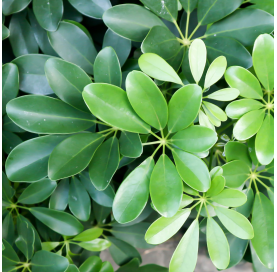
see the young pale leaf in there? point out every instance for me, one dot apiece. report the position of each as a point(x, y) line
point(186, 200)
point(216, 171)
point(230, 198)
point(238, 108)
point(133, 193)
point(184, 107)
point(197, 59)
point(216, 111)
point(165, 187)
point(263, 224)
point(95, 245)
point(67, 80)
point(195, 139)
point(188, 190)
point(217, 185)
point(215, 71)
point(59, 199)
point(48, 246)
point(107, 67)
point(88, 235)
point(185, 255)
point(29, 161)
point(73, 155)
point(217, 243)
point(235, 223)
point(61, 222)
point(249, 124)
point(153, 110)
point(130, 144)
point(104, 163)
point(125, 20)
point(227, 94)
point(156, 67)
point(236, 173)
point(263, 60)
point(204, 120)
point(78, 49)
point(93, 9)
point(243, 80)
point(192, 170)
point(164, 228)
point(37, 192)
point(110, 104)
point(264, 144)
point(213, 119)
point(78, 200)
point(48, 13)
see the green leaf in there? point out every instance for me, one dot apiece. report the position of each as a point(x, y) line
point(156, 67)
point(235, 223)
point(32, 113)
point(215, 71)
point(5, 32)
point(212, 118)
point(243, 25)
point(73, 155)
point(107, 67)
point(263, 60)
point(133, 193)
point(32, 77)
point(195, 139)
point(264, 144)
point(91, 264)
point(79, 200)
point(243, 80)
point(164, 228)
point(121, 251)
point(7, 190)
point(48, 246)
point(262, 221)
point(217, 243)
point(67, 80)
point(93, 8)
point(121, 46)
point(101, 212)
point(153, 110)
point(257, 265)
point(216, 111)
point(29, 161)
point(237, 151)
point(249, 124)
point(37, 192)
point(61, 222)
point(217, 185)
point(43, 261)
point(89, 234)
point(8, 232)
point(125, 20)
point(165, 187)
point(266, 5)
point(104, 163)
point(197, 59)
point(72, 268)
point(209, 11)
point(9, 125)
point(246, 208)
point(130, 144)
point(10, 258)
point(59, 199)
point(10, 141)
point(236, 173)
point(188, 5)
point(10, 84)
point(21, 36)
point(166, 9)
point(95, 245)
point(186, 200)
point(185, 255)
point(238, 108)
point(161, 41)
point(73, 45)
point(110, 104)
point(216, 171)
point(230, 198)
point(184, 107)
point(235, 52)
point(205, 121)
point(192, 170)
point(48, 13)
point(14, 6)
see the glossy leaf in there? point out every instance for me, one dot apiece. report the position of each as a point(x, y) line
point(93, 263)
point(104, 163)
point(110, 104)
point(230, 198)
point(67, 80)
point(188, 5)
point(184, 107)
point(10, 141)
point(14, 6)
point(59, 198)
point(130, 144)
point(164, 228)
point(217, 185)
point(192, 170)
point(257, 265)
point(73, 155)
point(165, 187)
point(153, 110)
point(95, 245)
point(186, 200)
point(9, 125)
point(38, 191)
point(88, 235)
point(5, 32)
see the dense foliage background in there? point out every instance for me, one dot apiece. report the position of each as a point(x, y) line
point(98, 155)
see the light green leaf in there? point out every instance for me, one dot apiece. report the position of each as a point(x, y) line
point(205, 121)
point(217, 185)
point(216, 111)
point(89, 234)
point(95, 245)
point(230, 198)
point(48, 246)
point(186, 200)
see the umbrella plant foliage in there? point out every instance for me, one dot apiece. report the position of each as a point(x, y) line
point(161, 121)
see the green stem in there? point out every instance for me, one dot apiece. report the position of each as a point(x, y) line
point(150, 143)
point(103, 131)
point(98, 122)
point(257, 190)
point(262, 183)
point(265, 177)
point(156, 151)
point(194, 31)
point(211, 158)
point(195, 204)
point(226, 126)
point(207, 210)
point(199, 210)
point(151, 132)
point(187, 25)
point(178, 28)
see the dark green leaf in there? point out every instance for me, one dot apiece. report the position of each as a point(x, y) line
point(9, 125)
point(8, 230)
point(14, 6)
point(101, 212)
point(189, 5)
point(9, 141)
point(246, 208)
point(59, 199)
point(130, 144)
point(5, 32)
